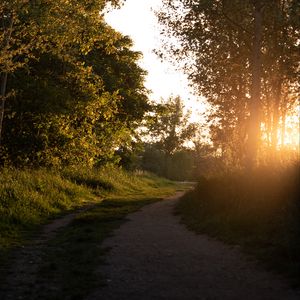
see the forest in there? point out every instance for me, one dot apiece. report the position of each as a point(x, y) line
point(76, 120)
point(72, 91)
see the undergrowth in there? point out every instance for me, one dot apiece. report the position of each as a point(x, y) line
point(259, 211)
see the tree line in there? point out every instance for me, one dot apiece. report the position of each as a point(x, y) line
point(72, 92)
point(243, 56)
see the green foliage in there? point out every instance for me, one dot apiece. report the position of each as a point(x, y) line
point(259, 211)
point(248, 73)
point(181, 165)
point(169, 125)
point(120, 72)
point(79, 93)
point(31, 197)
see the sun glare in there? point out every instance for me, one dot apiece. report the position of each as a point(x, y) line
point(288, 134)
point(292, 133)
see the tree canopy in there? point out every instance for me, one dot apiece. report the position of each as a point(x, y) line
point(243, 56)
point(71, 88)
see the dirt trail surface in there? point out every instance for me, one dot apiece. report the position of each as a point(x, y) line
point(155, 257)
point(22, 275)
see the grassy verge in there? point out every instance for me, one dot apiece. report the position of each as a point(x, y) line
point(260, 212)
point(71, 261)
point(29, 198)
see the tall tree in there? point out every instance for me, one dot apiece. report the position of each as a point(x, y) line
point(225, 46)
point(17, 38)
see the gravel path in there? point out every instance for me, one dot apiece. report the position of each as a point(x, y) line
point(155, 257)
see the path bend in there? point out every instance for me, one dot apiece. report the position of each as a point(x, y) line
point(154, 257)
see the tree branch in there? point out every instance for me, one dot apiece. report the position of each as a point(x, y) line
point(234, 22)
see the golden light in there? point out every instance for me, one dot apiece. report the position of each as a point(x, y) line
point(290, 129)
point(288, 136)
point(292, 132)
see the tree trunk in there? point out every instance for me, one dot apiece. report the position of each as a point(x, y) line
point(283, 117)
point(167, 165)
point(268, 122)
point(3, 84)
point(4, 74)
point(277, 99)
point(255, 105)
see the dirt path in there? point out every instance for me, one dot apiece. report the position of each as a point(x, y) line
point(22, 275)
point(154, 257)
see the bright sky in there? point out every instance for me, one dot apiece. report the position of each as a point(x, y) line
point(136, 19)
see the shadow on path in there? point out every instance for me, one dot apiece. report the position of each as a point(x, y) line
point(155, 257)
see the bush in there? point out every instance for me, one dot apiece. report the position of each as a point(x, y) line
point(260, 211)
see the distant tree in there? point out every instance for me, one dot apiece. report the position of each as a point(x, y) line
point(170, 128)
point(169, 125)
point(153, 159)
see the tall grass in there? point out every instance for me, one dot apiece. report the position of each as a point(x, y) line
point(259, 211)
point(31, 197)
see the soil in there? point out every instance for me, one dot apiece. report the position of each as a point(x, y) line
point(21, 276)
point(155, 257)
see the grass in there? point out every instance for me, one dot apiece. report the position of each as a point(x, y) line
point(258, 211)
point(29, 198)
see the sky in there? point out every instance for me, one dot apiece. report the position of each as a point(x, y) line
point(136, 18)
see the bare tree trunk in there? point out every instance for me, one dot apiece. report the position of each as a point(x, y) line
point(268, 122)
point(255, 105)
point(277, 82)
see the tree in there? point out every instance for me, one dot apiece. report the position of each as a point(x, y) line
point(29, 28)
point(226, 47)
point(120, 72)
point(81, 94)
point(169, 128)
point(17, 38)
point(280, 83)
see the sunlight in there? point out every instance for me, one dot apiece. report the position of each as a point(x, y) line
point(136, 18)
point(289, 132)
point(292, 133)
